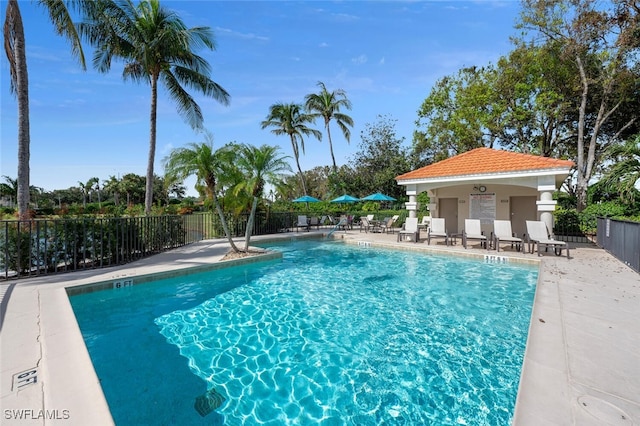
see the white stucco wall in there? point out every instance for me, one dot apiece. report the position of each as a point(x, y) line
point(462, 192)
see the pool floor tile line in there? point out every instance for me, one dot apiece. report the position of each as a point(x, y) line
point(581, 367)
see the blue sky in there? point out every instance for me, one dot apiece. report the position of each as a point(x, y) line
point(386, 56)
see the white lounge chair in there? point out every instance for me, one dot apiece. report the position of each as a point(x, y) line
point(410, 230)
point(537, 233)
point(437, 229)
point(502, 233)
point(472, 231)
point(302, 222)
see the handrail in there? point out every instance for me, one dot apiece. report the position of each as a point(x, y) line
point(342, 222)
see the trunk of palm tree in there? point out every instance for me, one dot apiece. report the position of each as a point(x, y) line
point(295, 154)
point(15, 30)
point(148, 196)
point(333, 158)
point(250, 222)
point(224, 222)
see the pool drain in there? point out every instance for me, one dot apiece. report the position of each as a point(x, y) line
point(208, 402)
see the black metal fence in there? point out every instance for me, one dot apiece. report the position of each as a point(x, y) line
point(622, 239)
point(50, 246)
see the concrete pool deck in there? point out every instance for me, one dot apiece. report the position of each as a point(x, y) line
point(581, 367)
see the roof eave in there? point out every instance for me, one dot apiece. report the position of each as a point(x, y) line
point(487, 176)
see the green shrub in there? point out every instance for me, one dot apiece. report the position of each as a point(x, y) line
point(589, 216)
point(567, 221)
point(15, 249)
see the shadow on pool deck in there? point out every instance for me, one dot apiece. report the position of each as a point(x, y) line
point(581, 365)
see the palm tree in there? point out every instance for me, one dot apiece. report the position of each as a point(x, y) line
point(259, 166)
point(327, 105)
point(624, 174)
point(206, 164)
point(156, 47)
point(15, 48)
point(289, 119)
point(9, 188)
point(87, 188)
point(112, 186)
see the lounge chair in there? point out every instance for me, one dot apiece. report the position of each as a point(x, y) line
point(437, 230)
point(302, 222)
point(473, 231)
point(410, 230)
point(502, 233)
point(370, 217)
point(537, 233)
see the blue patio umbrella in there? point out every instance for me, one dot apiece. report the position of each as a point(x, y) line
point(378, 197)
point(306, 199)
point(345, 199)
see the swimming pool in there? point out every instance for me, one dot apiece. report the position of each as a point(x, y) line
point(332, 334)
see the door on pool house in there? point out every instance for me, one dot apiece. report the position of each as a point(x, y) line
point(449, 211)
point(522, 209)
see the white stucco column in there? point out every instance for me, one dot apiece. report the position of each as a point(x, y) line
point(412, 204)
point(546, 204)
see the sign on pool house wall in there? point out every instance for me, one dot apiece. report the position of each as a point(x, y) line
point(483, 207)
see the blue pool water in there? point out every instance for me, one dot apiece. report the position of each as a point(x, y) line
point(332, 334)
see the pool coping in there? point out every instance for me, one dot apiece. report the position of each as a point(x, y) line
point(39, 330)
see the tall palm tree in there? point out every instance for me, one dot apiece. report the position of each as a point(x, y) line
point(259, 166)
point(15, 48)
point(327, 105)
point(290, 119)
point(206, 164)
point(156, 47)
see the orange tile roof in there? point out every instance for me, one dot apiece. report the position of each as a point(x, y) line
point(486, 161)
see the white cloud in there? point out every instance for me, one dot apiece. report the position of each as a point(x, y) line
point(359, 59)
point(247, 36)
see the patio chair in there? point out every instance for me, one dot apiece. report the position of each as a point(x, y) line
point(302, 222)
point(472, 231)
point(437, 229)
point(537, 233)
point(364, 224)
point(426, 220)
point(392, 226)
point(314, 221)
point(502, 233)
point(410, 231)
point(387, 224)
point(346, 222)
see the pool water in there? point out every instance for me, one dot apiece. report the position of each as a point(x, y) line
point(332, 334)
